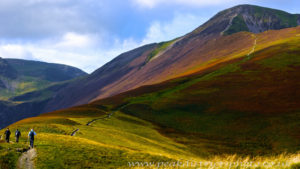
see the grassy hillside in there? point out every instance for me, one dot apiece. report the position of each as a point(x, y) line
point(248, 105)
point(244, 110)
point(117, 141)
point(106, 143)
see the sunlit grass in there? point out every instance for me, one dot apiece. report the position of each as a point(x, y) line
point(116, 142)
point(108, 142)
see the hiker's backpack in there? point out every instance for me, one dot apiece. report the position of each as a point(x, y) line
point(18, 133)
point(31, 135)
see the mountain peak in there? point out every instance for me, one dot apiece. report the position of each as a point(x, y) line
point(248, 18)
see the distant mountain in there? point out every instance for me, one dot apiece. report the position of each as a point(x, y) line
point(21, 76)
point(158, 62)
point(46, 71)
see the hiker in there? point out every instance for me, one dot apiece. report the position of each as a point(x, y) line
point(7, 135)
point(31, 135)
point(17, 134)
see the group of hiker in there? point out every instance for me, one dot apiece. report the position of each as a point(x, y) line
point(31, 135)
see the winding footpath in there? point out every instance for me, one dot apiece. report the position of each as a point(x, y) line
point(74, 132)
point(106, 117)
point(26, 159)
point(92, 121)
point(254, 46)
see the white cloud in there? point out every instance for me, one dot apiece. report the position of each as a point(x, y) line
point(14, 51)
point(78, 50)
point(73, 40)
point(82, 60)
point(82, 54)
point(38, 19)
point(153, 3)
point(146, 3)
point(91, 51)
point(178, 26)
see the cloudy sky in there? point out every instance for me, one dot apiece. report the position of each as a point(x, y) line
point(88, 33)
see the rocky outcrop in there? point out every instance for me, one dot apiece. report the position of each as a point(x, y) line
point(258, 19)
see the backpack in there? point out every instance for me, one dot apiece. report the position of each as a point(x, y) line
point(7, 133)
point(31, 135)
point(18, 133)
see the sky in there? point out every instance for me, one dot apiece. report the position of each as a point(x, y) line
point(89, 33)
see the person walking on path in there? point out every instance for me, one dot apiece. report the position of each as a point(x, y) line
point(31, 135)
point(7, 135)
point(18, 135)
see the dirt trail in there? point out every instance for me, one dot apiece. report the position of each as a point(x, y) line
point(254, 45)
point(26, 160)
point(74, 132)
point(90, 122)
point(106, 117)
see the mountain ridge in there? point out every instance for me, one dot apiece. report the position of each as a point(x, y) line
point(146, 71)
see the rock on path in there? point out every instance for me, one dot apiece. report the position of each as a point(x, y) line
point(26, 160)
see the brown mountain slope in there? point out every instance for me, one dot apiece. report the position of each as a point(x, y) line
point(205, 46)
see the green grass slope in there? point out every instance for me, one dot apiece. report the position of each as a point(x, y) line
point(117, 141)
point(106, 143)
